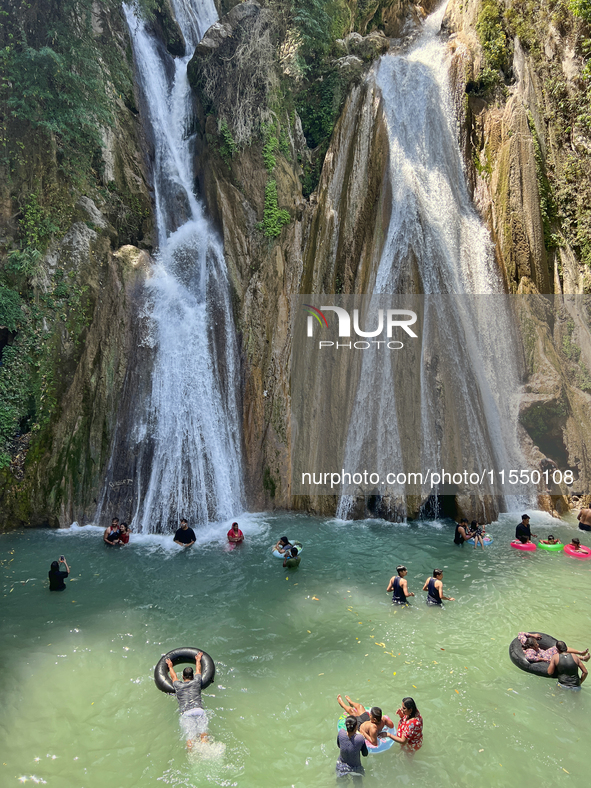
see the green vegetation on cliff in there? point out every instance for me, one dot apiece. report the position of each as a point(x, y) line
point(66, 85)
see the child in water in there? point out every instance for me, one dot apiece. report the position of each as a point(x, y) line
point(550, 540)
point(479, 531)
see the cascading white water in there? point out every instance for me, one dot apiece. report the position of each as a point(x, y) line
point(193, 417)
point(437, 245)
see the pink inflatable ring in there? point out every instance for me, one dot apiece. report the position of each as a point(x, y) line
point(583, 552)
point(529, 546)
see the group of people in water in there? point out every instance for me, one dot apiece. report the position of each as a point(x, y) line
point(564, 662)
point(465, 532)
point(433, 586)
point(365, 729)
point(117, 533)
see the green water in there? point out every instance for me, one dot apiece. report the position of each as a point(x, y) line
point(80, 709)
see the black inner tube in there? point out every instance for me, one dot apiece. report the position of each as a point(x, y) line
point(537, 668)
point(178, 656)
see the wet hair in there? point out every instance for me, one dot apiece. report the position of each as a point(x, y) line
point(575, 540)
point(376, 713)
point(525, 517)
point(351, 723)
point(463, 520)
point(437, 572)
point(561, 646)
point(531, 643)
point(401, 568)
point(234, 524)
point(188, 673)
point(411, 707)
point(474, 524)
point(284, 540)
point(183, 521)
point(550, 536)
point(55, 567)
point(124, 525)
point(294, 552)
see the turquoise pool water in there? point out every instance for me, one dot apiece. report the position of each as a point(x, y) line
point(80, 709)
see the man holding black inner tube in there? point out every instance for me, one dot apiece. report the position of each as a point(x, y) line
point(188, 694)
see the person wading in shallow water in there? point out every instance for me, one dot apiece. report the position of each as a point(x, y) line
point(185, 536)
point(410, 728)
point(188, 694)
point(463, 532)
point(584, 518)
point(399, 586)
point(566, 667)
point(434, 588)
point(111, 534)
point(352, 745)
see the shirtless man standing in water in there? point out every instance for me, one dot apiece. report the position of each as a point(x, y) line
point(584, 518)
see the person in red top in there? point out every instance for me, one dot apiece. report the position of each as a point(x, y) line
point(410, 728)
point(124, 532)
point(235, 535)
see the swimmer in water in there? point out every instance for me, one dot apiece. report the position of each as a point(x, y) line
point(188, 694)
point(399, 586)
point(434, 588)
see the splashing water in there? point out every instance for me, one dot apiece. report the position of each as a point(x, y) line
point(437, 245)
point(188, 439)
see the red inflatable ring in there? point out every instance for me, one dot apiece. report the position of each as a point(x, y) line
point(584, 552)
point(529, 546)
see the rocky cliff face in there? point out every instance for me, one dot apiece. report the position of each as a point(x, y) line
point(73, 215)
point(291, 163)
point(525, 136)
point(334, 240)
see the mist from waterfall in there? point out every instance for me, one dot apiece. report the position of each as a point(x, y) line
point(437, 245)
point(189, 436)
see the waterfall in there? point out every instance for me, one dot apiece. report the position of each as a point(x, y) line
point(187, 437)
point(437, 245)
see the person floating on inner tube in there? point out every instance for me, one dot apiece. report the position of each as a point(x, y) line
point(566, 668)
point(188, 694)
point(533, 652)
point(523, 533)
point(399, 586)
point(576, 545)
point(292, 559)
point(434, 588)
point(283, 545)
point(410, 728)
point(370, 722)
point(235, 535)
point(550, 540)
